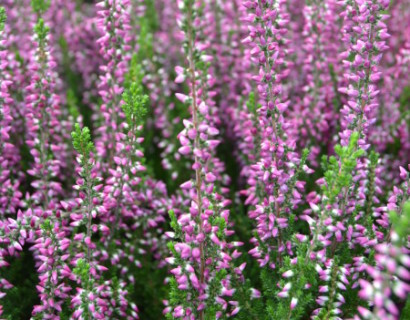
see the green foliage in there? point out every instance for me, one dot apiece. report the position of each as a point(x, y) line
point(374, 158)
point(327, 312)
point(405, 314)
point(251, 307)
point(145, 41)
point(251, 103)
point(339, 170)
point(135, 106)
point(135, 73)
point(174, 224)
point(72, 104)
point(3, 18)
point(82, 140)
point(46, 226)
point(179, 297)
point(404, 103)
point(135, 101)
point(41, 30)
point(40, 6)
point(401, 223)
point(303, 273)
point(82, 270)
point(175, 295)
point(19, 300)
point(149, 290)
point(214, 290)
point(294, 179)
point(221, 223)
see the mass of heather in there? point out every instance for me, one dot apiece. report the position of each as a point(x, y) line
point(205, 159)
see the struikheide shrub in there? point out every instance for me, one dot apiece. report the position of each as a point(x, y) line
point(205, 159)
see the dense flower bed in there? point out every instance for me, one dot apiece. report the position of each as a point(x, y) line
point(204, 159)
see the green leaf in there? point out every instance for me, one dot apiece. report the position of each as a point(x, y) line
point(3, 18)
point(82, 140)
point(41, 30)
point(40, 6)
point(401, 223)
point(135, 101)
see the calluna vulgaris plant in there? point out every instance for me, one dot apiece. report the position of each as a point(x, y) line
point(205, 159)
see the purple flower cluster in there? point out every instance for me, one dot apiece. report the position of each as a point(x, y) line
point(366, 34)
point(273, 181)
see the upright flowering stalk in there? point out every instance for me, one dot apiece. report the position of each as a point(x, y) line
point(51, 249)
point(9, 193)
point(116, 150)
point(201, 257)
point(112, 145)
point(137, 208)
point(274, 186)
point(114, 24)
point(144, 200)
point(317, 114)
point(334, 279)
point(129, 155)
point(44, 130)
point(275, 189)
point(43, 110)
point(88, 301)
point(9, 157)
point(365, 35)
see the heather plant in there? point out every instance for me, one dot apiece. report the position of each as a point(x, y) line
point(204, 159)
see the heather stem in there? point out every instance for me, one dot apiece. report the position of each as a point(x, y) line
point(198, 179)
